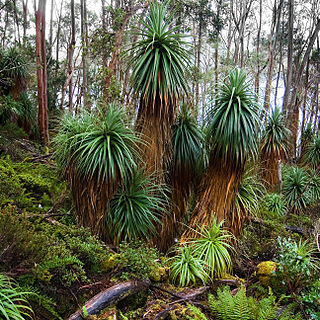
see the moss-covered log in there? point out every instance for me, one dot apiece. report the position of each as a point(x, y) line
point(109, 297)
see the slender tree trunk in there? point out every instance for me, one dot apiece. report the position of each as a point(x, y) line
point(84, 40)
point(42, 71)
point(257, 77)
point(25, 19)
point(16, 19)
point(51, 30)
point(290, 58)
point(103, 9)
point(58, 39)
point(116, 51)
point(305, 97)
point(278, 76)
point(293, 110)
point(70, 54)
point(198, 61)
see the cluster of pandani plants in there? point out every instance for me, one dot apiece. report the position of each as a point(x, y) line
point(162, 175)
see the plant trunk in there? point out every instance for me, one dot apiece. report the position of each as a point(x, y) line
point(219, 187)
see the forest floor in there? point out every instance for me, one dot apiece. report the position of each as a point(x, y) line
point(45, 251)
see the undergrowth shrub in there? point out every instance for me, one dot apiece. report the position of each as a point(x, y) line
point(51, 257)
point(27, 185)
point(297, 275)
point(137, 260)
point(274, 203)
point(297, 267)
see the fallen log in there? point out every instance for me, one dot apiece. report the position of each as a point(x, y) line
point(109, 297)
point(192, 294)
point(294, 229)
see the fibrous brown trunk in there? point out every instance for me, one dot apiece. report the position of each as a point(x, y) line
point(219, 187)
point(42, 71)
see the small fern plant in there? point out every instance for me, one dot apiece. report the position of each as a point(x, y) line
point(240, 307)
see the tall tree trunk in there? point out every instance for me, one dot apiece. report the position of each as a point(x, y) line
point(290, 58)
point(273, 37)
point(103, 9)
point(116, 51)
point(198, 61)
point(84, 40)
point(51, 30)
point(58, 38)
point(70, 54)
point(16, 19)
point(25, 19)
point(293, 110)
point(278, 76)
point(42, 71)
point(257, 77)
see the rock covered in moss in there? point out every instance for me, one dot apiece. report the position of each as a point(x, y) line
point(110, 263)
point(265, 270)
point(159, 273)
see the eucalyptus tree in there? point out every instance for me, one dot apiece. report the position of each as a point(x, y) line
point(160, 61)
point(232, 136)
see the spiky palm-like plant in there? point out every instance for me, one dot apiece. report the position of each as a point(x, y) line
point(13, 72)
point(135, 209)
point(187, 162)
point(96, 153)
point(159, 63)
point(274, 203)
point(307, 137)
point(313, 154)
point(232, 134)
point(248, 197)
point(296, 192)
point(211, 246)
point(187, 267)
point(274, 144)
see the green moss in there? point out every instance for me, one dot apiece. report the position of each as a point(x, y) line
point(31, 187)
point(159, 273)
point(265, 271)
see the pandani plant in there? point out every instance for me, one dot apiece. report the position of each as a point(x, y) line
point(232, 136)
point(159, 62)
point(186, 165)
point(135, 209)
point(247, 200)
point(96, 153)
point(307, 138)
point(13, 72)
point(273, 148)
